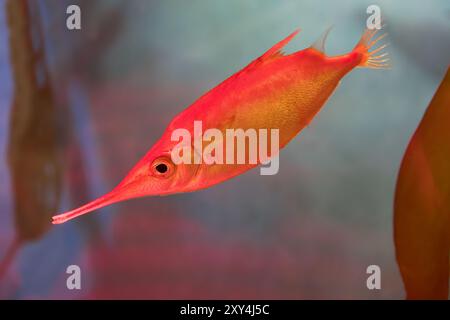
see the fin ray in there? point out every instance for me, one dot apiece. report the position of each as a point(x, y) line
point(275, 51)
point(373, 57)
point(319, 45)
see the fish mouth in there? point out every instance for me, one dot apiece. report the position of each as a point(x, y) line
point(101, 202)
point(117, 194)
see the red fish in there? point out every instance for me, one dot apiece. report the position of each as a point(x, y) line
point(275, 91)
point(422, 203)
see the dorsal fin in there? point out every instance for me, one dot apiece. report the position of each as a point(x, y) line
point(275, 51)
point(319, 45)
point(270, 55)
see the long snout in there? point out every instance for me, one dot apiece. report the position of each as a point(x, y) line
point(116, 195)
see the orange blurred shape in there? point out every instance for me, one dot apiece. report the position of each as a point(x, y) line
point(422, 203)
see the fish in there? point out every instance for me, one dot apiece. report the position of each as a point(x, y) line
point(275, 91)
point(422, 203)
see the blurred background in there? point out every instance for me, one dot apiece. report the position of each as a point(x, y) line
point(79, 108)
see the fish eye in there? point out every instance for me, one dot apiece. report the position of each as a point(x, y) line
point(162, 167)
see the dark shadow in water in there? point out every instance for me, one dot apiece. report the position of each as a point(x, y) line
point(44, 140)
point(35, 134)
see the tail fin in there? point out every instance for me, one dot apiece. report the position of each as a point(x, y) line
point(372, 58)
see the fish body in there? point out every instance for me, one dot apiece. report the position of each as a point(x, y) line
point(275, 91)
point(422, 203)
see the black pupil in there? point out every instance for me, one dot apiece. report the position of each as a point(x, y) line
point(161, 168)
